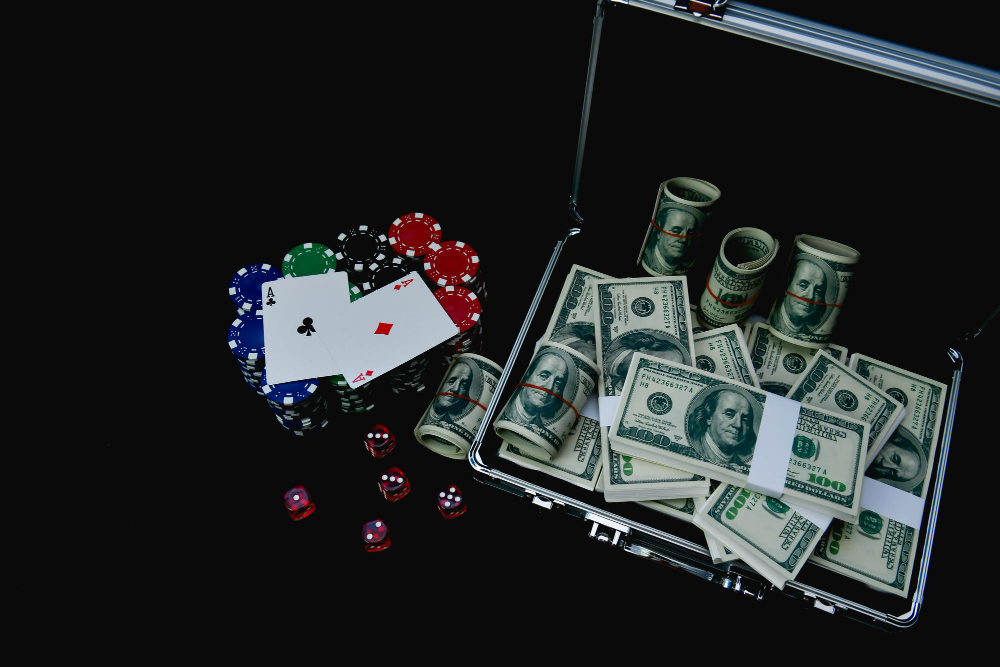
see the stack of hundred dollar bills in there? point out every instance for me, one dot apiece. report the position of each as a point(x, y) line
point(623, 398)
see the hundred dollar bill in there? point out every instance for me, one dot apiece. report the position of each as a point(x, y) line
point(778, 363)
point(572, 322)
point(578, 461)
point(816, 282)
point(647, 315)
point(907, 458)
point(831, 385)
point(708, 425)
point(451, 421)
point(723, 352)
point(679, 214)
point(737, 276)
point(767, 534)
point(878, 550)
point(546, 403)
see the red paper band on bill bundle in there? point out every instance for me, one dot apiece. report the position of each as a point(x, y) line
point(680, 236)
point(535, 386)
point(448, 393)
point(817, 303)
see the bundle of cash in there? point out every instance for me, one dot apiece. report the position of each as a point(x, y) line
point(737, 276)
point(679, 508)
point(572, 325)
point(675, 415)
point(816, 281)
point(766, 533)
point(649, 315)
point(546, 403)
point(679, 214)
point(877, 550)
point(831, 385)
point(452, 420)
point(688, 407)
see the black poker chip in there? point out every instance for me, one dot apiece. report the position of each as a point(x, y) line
point(358, 248)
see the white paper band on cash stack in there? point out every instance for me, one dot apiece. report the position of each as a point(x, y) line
point(891, 502)
point(608, 406)
point(769, 467)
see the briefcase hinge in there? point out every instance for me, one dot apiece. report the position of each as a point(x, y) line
point(713, 10)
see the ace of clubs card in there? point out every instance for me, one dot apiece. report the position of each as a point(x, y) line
point(297, 312)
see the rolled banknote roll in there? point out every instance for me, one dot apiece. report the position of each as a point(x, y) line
point(451, 421)
point(682, 207)
point(546, 402)
point(737, 276)
point(818, 275)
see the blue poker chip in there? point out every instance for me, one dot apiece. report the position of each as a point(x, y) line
point(288, 393)
point(246, 336)
point(244, 288)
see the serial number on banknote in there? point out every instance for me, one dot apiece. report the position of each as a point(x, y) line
point(644, 381)
point(808, 466)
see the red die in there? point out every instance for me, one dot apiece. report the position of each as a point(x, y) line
point(451, 503)
point(393, 485)
point(380, 441)
point(376, 535)
point(298, 503)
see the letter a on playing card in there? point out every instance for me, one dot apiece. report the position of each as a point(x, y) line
point(389, 327)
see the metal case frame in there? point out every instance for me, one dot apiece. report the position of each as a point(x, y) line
point(662, 546)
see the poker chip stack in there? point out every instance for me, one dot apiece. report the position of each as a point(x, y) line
point(308, 259)
point(365, 255)
point(408, 378)
point(298, 406)
point(454, 263)
point(244, 288)
point(246, 340)
point(351, 401)
point(411, 236)
point(465, 310)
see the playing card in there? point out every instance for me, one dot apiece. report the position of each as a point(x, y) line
point(388, 327)
point(297, 311)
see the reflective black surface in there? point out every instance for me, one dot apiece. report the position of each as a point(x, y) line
point(265, 133)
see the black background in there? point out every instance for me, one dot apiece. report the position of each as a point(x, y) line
point(267, 131)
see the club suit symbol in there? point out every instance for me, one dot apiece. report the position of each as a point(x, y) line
point(307, 327)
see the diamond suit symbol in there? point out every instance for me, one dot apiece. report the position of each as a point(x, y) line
point(383, 328)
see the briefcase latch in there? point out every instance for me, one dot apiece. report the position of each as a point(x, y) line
point(713, 10)
point(606, 530)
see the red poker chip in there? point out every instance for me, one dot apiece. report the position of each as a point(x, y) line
point(451, 263)
point(461, 304)
point(411, 235)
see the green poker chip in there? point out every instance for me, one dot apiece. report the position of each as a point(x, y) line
point(308, 259)
point(356, 292)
